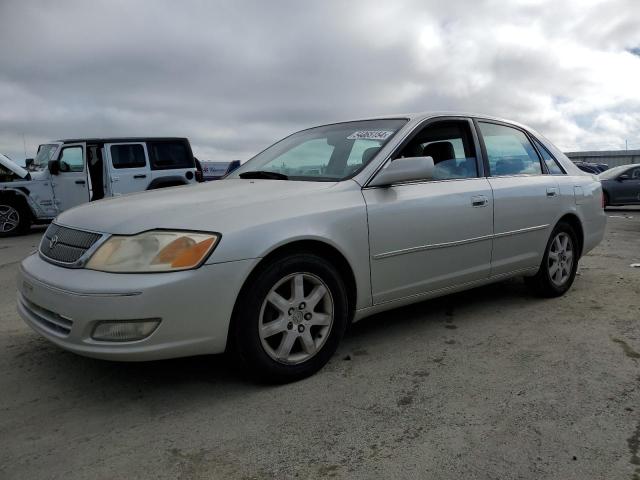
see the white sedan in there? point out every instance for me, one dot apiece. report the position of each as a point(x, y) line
point(325, 227)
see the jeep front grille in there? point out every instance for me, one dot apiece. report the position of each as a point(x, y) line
point(66, 245)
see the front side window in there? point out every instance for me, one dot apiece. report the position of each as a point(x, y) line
point(552, 164)
point(71, 159)
point(169, 155)
point(128, 156)
point(509, 151)
point(328, 153)
point(450, 145)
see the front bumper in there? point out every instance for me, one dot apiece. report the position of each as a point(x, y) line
point(194, 306)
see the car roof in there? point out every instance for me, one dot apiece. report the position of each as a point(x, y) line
point(440, 113)
point(119, 139)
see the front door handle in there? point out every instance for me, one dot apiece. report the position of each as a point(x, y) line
point(479, 201)
point(552, 192)
point(80, 182)
point(140, 176)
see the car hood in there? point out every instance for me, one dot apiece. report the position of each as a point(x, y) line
point(14, 167)
point(211, 206)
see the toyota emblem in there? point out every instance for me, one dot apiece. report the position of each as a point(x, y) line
point(53, 242)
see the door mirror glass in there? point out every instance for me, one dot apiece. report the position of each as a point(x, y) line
point(54, 167)
point(404, 170)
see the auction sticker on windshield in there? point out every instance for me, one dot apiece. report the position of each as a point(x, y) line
point(370, 135)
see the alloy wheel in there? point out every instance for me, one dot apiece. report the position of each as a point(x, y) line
point(561, 256)
point(9, 218)
point(296, 318)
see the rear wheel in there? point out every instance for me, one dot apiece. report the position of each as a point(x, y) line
point(559, 264)
point(14, 219)
point(290, 318)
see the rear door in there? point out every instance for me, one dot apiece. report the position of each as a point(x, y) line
point(171, 160)
point(526, 198)
point(70, 186)
point(128, 167)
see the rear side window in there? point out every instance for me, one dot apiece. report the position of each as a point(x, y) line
point(128, 156)
point(552, 164)
point(509, 151)
point(169, 155)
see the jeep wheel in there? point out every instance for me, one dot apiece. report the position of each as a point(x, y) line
point(13, 219)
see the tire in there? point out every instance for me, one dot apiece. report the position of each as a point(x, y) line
point(14, 218)
point(556, 275)
point(304, 330)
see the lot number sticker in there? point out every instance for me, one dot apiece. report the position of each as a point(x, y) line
point(370, 135)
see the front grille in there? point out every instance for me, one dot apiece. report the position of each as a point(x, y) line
point(50, 321)
point(66, 245)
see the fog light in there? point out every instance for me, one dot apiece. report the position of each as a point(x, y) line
point(124, 330)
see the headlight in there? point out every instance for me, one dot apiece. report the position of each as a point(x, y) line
point(154, 251)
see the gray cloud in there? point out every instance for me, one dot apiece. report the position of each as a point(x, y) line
point(236, 76)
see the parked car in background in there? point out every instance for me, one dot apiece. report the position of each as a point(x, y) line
point(621, 185)
point(67, 173)
point(217, 170)
point(328, 226)
point(588, 167)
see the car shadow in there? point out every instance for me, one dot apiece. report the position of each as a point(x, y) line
point(221, 373)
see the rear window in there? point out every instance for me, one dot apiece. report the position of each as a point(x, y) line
point(169, 155)
point(128, 156)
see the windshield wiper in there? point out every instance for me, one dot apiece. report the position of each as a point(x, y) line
point(264, 174)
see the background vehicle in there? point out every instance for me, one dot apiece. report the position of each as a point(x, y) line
point(621, 185)
point(327, 226)
point(66, 173)
point(217, 170)
point(590, 167)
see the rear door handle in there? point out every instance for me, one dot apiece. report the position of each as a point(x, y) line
point(552, 191)
point(479, 201)
point(140, 176)
point(80, 182)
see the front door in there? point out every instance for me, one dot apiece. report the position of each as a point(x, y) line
point(70, 186)
point(432, 234)
point(629, 188)
point(128, 167)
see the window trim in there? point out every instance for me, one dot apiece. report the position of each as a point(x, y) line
point(485, 156)
point(544, 163)
point(414, 133)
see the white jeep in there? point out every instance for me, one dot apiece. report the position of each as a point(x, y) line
point(66, 173)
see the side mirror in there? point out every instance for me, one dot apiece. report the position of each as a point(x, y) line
point(624, 176)
point(404, 170)
point(54, 167)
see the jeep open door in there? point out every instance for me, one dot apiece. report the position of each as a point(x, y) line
point(70, 185)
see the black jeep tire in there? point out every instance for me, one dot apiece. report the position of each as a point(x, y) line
point(15, 218)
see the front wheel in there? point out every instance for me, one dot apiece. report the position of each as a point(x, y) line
point(14, 219)
point(559, 264)
point(290, 318)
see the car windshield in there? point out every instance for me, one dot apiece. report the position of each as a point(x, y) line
point(328, 153)
point(613, 172)
point(44, 155)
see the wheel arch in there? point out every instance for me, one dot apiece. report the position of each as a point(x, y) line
point(18, 197)
point(575, 222)
point(314, 246)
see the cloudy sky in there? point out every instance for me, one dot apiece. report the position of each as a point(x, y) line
point(235, 76)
